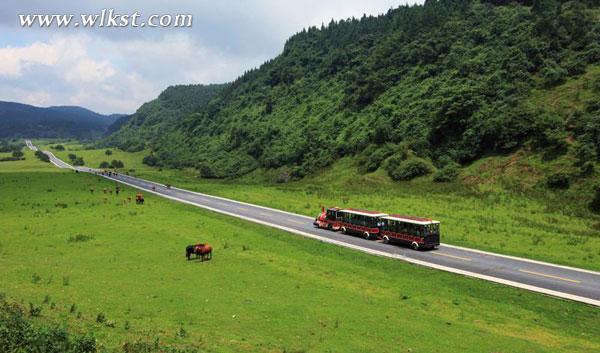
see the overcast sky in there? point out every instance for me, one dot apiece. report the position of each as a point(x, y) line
point(116, 70)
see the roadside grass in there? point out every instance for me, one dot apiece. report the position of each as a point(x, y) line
point(127, 279)
point(492, 214)
point(30, 163)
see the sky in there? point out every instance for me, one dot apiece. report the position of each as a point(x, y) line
point(115, 70)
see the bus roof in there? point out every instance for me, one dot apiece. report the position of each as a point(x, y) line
point(411, 219)
point(363, 212)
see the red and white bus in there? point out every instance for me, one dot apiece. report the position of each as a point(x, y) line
point(351, 221)
point(417, 232)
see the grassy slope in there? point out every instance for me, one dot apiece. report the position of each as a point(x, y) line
point(483, 215)
point(265, 290)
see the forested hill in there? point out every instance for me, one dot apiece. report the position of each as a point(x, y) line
point(22, 120)
point(419, 88)
point(156, 122)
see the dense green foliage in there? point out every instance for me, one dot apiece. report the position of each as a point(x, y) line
point(155, 122)
point(42, 156)
point(449, 79)
point(18, 334)
point(11, 145)
point(22, 120)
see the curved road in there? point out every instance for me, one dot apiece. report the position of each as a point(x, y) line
point(559, 281)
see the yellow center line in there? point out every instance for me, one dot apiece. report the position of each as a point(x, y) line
point(452, 256)
point(295, 221)
point(550, 276)
point(242, 208)
point(265, 214)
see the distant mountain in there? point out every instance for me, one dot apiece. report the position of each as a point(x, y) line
point(157, 118)
point(22, 120)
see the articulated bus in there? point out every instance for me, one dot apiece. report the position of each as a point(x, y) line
point(418, 233)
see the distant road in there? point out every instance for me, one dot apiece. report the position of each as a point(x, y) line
point(555, 280)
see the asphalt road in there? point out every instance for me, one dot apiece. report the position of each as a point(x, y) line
point(555, 280)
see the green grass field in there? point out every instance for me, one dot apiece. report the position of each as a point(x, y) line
point(264, 291)
point(492, 215)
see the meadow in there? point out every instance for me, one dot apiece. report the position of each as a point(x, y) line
point(97, 264)
point(493, 215)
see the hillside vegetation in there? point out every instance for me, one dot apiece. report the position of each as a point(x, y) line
point(156, 121)
point(420, 89)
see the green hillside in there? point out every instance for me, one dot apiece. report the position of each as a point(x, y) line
point(425, 89)
point(156, 120)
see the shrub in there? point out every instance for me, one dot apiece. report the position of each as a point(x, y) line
point(409, 169)
point(100, 318)
point(78, 161)
point(72, 156)
point(446, 174)
point(34, 311)
point(594, 205)
point(117, 164)
point(17, 154)
point(18, 334)
point(558, 181)
point(104, 165)
point(552, 74)
point(83, 344)
point(108, 152)
point(35, 278)
point(150, 160)
point(42, 156)
point(80, 238)
point(59, 147)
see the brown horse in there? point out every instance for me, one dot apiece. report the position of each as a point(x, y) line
point(204, 251)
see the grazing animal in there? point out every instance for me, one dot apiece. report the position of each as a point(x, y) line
point(204, 251)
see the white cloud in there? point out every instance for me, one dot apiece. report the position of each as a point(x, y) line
point(117, 71)
point(15, 60)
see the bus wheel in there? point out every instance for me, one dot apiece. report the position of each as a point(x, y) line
point(344, 230)
point(386, 239)
point(414, 245)
point(367, 235)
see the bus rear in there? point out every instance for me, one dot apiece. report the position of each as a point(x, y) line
point(416, 232)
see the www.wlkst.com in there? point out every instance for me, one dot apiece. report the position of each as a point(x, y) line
point(107, 18)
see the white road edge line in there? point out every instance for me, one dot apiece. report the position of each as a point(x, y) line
point(371, 251)
point(383, 254)
point(523, 259)
point(442, 244)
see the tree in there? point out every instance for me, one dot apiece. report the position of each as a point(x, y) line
point(150, 160)
point(78, 161)
point(115, 164)
point(17, 154)
point(72, 156)
point(558, 181)
point(104, 165)
point(42, 156)
point(409, 169)
point(108, 152)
